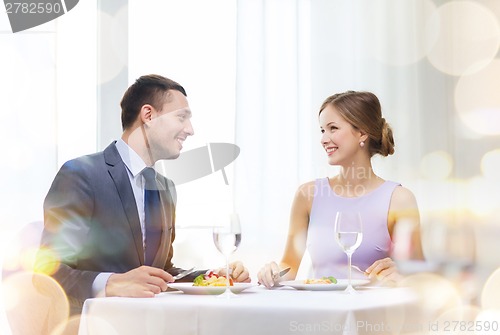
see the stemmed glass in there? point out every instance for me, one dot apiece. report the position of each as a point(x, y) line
point(227, 238)
point(349, 234)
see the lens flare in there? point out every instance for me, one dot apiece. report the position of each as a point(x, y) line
point(488, 322)
point(477, 100)
point(469, 37)
point(34, 303)
point(436, 165)
point(490, 297)
point(47, 261)
point(489, 165)
point(435, 293)
point(66, 327)
point(483, 196)
point(405, 45)
point(456, 321)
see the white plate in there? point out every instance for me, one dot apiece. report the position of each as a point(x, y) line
point(340, 285)
point(190, 289)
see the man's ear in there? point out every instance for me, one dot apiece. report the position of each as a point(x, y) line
point(146, 113)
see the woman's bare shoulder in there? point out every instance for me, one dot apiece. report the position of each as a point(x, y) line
point(403, 204)
point(307, 186)
point(403, 197)
point(304, 195)
point(306, 191)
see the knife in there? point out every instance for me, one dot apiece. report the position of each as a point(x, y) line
point(283, 272)
point(279, 275)
point(184, 273)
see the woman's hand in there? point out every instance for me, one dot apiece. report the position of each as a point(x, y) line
point(384, 270)
point(238, 272)
point(269, 275)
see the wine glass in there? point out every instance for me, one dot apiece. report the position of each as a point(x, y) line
point(349, 234)
point(227, 238)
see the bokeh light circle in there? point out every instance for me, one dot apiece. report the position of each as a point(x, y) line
point(35, 303)
point(436, 165)
point(436, 294)
point(469, 37)
point(406, 44)
point(456, 320)
point(490, 296)
point(477, 100)
point(47, 261)
point(68, 327)
point(483, 196)
point(490, 164)
point(489, 320)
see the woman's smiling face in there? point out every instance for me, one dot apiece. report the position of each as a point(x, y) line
point(339, 138)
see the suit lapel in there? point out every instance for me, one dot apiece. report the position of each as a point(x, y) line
point(119, 174)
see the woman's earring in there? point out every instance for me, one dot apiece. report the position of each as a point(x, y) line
point(362, 144)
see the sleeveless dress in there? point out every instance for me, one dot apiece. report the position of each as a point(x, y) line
point(327, 258)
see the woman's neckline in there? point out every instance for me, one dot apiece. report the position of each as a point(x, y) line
point(374, 190)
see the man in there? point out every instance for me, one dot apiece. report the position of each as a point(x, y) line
point(96, 211)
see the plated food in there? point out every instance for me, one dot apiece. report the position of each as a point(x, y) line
point(212, 279)
point(189, 288)
point(339, 285)
point(210, 283)
point(322, 280)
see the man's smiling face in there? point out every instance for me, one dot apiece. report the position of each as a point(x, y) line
point(169, 127)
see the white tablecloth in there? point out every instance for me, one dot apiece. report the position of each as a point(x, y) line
point(256, 311)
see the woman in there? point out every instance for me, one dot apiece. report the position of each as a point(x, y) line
point(353, 130)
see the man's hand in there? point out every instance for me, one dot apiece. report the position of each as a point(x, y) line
point(238, 272)
point(141, 282)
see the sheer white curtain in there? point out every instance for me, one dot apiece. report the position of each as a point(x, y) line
point(412, 54)
point(193, 42)
point(274, 120)
point(47, 92)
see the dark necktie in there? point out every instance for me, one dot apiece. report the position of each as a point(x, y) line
point(152, 215)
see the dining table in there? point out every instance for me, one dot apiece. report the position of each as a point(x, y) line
point(257, 310)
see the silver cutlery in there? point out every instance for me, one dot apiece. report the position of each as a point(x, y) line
point(282, 273)
point(357, 268)
point(279, 274)
point(184, 273)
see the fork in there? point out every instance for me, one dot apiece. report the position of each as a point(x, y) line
point(183, 274)
point(357, 268)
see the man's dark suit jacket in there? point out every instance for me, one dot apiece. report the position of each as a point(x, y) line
point(92, 224)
